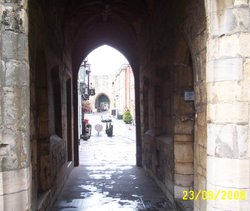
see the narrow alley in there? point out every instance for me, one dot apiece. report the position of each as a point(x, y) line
point(107, 178)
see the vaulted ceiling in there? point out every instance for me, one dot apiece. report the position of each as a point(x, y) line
point(89, 24)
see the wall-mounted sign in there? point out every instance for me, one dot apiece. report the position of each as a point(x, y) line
point(189, 95)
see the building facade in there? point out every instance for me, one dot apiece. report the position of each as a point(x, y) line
point(103, 99)
point(124, 90)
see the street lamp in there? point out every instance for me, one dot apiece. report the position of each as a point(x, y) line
point(85, 88)
point(85, 92)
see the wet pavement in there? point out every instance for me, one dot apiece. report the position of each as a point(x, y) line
point(107, 178)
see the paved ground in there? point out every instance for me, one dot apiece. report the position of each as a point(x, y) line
point(107, 179)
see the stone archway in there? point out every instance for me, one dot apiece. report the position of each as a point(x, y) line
point(218, 40)
point(102, 102)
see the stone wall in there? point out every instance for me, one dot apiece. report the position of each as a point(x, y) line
point(14, 104)
point(184, 116)
point(195, 30)
point(228, 91)
point(51, 124)
point(168, 121)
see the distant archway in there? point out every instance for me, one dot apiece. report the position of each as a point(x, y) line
point(102, 102)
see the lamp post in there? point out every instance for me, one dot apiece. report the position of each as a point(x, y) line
point(85, 91)
point(85, 88)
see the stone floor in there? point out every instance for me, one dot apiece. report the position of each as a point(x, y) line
point(107, 179)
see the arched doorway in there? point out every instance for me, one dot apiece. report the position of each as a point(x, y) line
point(102, 103)
point(146, 50)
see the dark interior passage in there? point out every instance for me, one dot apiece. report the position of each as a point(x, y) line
point(166, 49)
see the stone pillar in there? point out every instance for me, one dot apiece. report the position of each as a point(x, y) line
point(228, 95)
point(14, 107)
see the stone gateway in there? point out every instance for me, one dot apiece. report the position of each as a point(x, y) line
point(173, 47)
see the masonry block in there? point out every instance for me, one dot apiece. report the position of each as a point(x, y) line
point(15, 106)
point(230, 141)
point(183, 138)
point(14, 46)
point(1, 116)
point(16, 148)
point(201, 118)
point(246, 91)
point(2, 73)
point(201, 135)
point(225, 46)
point(225, 172)
point(10, 106)
point(228, 113)
point(225, 70)
point(247, 70)
point(244, 46)
point(16, 74)
point(178, 191)
point(184, 180)
point(229, 21)
point(200, 66)
point(215, 5)
point(186, 127)
point(17, 201)
point(200, 93)
point(241, 3)
point(200, 182)
point(224, 91)
point(228, 204)
point(15, 181)
point(184, 168)
point(183, 152)
point(229, 46)
point(201, 156)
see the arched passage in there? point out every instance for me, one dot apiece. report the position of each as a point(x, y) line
point(136, 78)
point(147, 35)
point(102, 102)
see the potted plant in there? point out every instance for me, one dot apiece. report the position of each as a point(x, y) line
point(127, 117)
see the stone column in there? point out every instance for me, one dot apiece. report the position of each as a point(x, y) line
point(228, 95)
point(14, 107)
